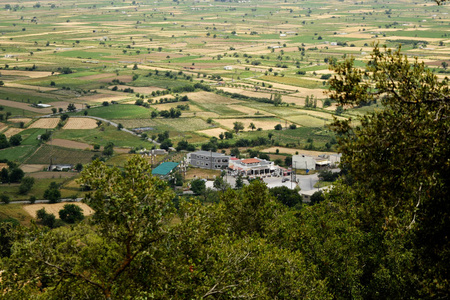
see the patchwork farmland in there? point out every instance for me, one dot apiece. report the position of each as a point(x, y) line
point(72, 71)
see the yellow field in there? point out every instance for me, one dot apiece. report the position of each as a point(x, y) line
point(55, 208)
point(18, 120)
point(12, 131)
point(213, 131)
point(80, 123)
point(47, 123)
point(33, 74)
point(32, 168)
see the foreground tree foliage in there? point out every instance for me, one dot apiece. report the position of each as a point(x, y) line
point(398, 172)
point(131, 248)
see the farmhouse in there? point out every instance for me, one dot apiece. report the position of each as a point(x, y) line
point(208, 160)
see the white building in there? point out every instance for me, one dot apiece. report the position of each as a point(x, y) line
point(255, 167)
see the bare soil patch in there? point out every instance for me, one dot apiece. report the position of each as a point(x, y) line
point(201, 173)
point(12, 131)
point(45, 123)
point(28, 168)
point(55, 208)
point(80, 123)
point(71, 144)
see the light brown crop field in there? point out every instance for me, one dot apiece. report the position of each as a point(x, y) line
point(12, 131)
point(71, 144)
point(46, 123)
point(55, 208)
point(213, 131)
point(18, 120)
point(80, 123)
point(27, 168)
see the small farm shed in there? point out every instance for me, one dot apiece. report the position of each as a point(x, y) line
point(164, 169)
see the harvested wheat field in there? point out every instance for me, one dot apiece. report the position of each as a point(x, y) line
point(18, 120)
point(47, 123)
point(34, 74)
point(29, 168)
point(265, 125)
point(71, 144)
point(80, 123)
point(2, 126)
point(12, 131)
point(55, 208)
point(213, 131)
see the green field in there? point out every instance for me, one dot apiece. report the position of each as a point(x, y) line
point(47, 154)
point(119, 111)
point(96, 136)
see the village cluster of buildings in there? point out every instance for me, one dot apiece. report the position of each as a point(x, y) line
point(256, 167)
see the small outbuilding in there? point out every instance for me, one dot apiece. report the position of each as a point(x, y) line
point(164, 169)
